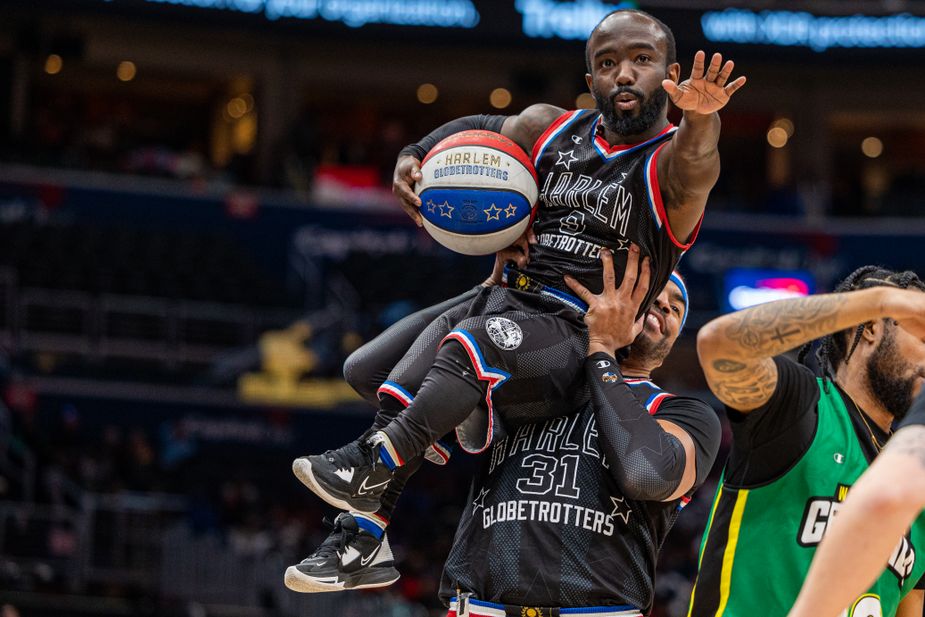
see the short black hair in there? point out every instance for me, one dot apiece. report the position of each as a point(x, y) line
point(671, 52)
point(836, 349)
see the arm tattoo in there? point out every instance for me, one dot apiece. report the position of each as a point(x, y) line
point(771, 329)
point(743, 386)
point(911, 442)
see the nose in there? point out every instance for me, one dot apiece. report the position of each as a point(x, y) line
point(661, 302)
point(627, 74)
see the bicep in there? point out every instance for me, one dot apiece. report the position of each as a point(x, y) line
point(526, 127)
point(690, 458)
point(741, 384)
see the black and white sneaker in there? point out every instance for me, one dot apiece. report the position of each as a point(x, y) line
point(350, 558)
point(349, 478)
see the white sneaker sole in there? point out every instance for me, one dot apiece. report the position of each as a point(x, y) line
point(297, 581)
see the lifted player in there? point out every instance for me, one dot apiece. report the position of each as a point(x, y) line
point(619, 178)
point(800, 442)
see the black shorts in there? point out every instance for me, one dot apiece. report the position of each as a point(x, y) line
point(528, 349)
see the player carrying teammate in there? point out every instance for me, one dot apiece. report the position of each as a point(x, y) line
point(800, 442)
point(619, 178)
point(873, 524)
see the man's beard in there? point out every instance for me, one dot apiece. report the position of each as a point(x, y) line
point(890, 378)
point(624, 123)
point(652, 351)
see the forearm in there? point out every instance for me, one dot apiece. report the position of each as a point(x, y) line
point(482, 121)
point(694, 164)
point(855, 549)
point(646, 461)
point(771, 329)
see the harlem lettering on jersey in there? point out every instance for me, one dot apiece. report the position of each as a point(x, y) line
point(594, 196)
point(821, 511)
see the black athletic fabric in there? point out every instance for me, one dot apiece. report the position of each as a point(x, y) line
point(770, 440)
point(594, 196)
point(482, 121)
point(916, 413)
point(547, 523)
point(367, 367)
point(533, 374)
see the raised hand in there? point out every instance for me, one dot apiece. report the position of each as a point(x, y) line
point(611, 316)
point(707, 91)
point(407, 172)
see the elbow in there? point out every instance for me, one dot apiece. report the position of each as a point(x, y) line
point(639, 484)
point(708, 339)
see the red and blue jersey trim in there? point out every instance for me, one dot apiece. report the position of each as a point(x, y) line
point(494, 376)
point(396, 391)
point(554, 130)
point(609, 153)
point(655, 401)
point(657, 206)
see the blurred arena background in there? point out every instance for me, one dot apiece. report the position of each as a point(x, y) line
point(196, 228)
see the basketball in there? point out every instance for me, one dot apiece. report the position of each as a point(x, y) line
point(477, 192)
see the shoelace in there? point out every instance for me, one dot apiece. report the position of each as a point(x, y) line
point(335, 542)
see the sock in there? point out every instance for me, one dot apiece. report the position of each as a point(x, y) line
point(387, 453)
point(371, 523)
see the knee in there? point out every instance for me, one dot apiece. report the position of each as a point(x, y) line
point(362, 375)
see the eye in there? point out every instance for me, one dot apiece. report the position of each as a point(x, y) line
point(676, 310)
point(643, 58)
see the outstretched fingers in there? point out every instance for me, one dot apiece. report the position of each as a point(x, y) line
point(697, 69)
point(713, 69)
point(731, 88)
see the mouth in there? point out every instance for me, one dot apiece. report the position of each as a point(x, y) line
point(655, 321)
point(626, 101)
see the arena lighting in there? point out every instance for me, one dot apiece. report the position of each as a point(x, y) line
point(800, 29)
point(872, 147)
point(353, 13)
point(236, 107)
point(126, 70)
point(500, 98)
point(585, 100)
point(548, 19)
point(747, 287)
point(53, 64)
point(777, 137)
point(786, 124)
point(427, 93)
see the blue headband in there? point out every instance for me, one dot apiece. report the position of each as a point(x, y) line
point(677, 280)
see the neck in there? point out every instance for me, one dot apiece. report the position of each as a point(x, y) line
point(856, 386)
point(617, 139)
point(637, 371)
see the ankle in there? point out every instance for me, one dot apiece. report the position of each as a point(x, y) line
point(385, 451)
point(372, 524)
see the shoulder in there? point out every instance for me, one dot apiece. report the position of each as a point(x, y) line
point(526, 127)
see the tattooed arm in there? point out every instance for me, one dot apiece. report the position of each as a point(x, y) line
point(878, 511)
point(737, 350)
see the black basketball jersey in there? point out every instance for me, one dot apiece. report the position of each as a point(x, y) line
point(594, 195)
point(547, 525)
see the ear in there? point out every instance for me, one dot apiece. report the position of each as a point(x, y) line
point(674, 72)
point(873, 331)
point(589, 81)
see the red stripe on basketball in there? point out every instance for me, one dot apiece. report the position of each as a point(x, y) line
point(549, 130)
point(485, 139)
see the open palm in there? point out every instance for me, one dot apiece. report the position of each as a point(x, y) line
point(706, 91)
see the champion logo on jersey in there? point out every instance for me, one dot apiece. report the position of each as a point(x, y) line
point(603, 364)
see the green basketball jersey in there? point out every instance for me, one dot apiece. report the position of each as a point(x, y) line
point(760, 540)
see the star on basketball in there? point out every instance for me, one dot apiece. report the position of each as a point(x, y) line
point(621, 509)
point(494, 213)
point(510, 211)
point(446, 209)
point(431, 206)
point(567, 162)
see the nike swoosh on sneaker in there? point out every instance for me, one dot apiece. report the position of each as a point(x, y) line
point(364, 489)
point(364, 561)
point(349, 556)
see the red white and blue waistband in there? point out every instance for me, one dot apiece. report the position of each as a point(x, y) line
point(480, 608)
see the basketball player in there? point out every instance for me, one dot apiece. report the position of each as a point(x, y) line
point(872, 525)
point(619, 511)
point(623, 179)
point(800, 442)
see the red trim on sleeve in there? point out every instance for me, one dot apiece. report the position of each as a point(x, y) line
point(656, 194)
point(658, 402)
point(549, 130)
